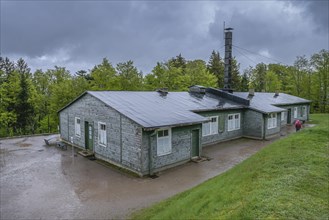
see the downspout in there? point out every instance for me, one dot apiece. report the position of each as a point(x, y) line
point(151, 154)
point(120, 138)
point(264, 127)
point(68, 126)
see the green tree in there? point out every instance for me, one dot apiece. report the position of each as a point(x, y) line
point(272, 82)
point(198, 74)
point(130, 79)
point(8, 99)
point(104, 77)
point(257, 78)
point(235, 74)
point(320, 64)
point(245, 80)
point(299, 74)
point(216, 67)
point(178, 62)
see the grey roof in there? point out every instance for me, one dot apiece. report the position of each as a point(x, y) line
point(269, 102)
point(155, 109)
point(151, 109)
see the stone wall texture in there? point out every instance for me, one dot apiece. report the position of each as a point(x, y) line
point(124, 136)
point(134, 148)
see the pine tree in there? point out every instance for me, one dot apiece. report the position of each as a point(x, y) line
point(216, 67)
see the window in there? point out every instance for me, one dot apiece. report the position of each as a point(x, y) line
point(163, 142)
point(295, 112)
point(210, 127)
point(271, 121)
point(283, 117)
point(102, 134)
point(303, 111)
point(77, 127)
point(233, 122)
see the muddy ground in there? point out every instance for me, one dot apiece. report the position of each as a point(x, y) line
point(45, 182)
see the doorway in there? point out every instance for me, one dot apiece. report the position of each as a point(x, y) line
point(89, 142)
point(195, 143)
point(289, 116)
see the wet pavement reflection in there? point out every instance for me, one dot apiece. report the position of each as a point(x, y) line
point(45, 182)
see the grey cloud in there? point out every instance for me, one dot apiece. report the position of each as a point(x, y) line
point(318, 10)
point(147, 31)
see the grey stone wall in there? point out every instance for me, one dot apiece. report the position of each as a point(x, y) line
point(124, 137)
point(284, 121)
point(272, 131)
point(299, 111)
point(223, 133)
point(181, 140)
point(64, 125)
point(253, 124)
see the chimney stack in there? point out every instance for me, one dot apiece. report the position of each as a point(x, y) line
point(162, 91)
point(228, 61)
point(251, 92)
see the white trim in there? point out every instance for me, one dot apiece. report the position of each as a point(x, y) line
point(304, 110)
point(102, 139)
point(77, 127)
point(295, 112)
point(233, 123)
point(272, 120)
point(161, 142)
point(213, 126)
point(283, 116)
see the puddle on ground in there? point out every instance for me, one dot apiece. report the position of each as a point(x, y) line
point(24, 145)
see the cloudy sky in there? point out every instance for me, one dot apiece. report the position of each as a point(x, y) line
point(78, 34)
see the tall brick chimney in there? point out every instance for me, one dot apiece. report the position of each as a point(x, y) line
point(228, 61)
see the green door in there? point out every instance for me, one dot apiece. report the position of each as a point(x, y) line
point(89, 136)
point(289, 116)
point(195, 143)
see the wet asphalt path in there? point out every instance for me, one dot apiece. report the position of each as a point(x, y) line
point(45, 182)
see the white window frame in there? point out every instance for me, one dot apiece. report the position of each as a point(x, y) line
point(213, 126)
point(304, 109)
point(102, 139)
point(160, 141)
point(234, 123)
point(295, 112)
point(272, 121)
point(283, 117)
point(77, 126)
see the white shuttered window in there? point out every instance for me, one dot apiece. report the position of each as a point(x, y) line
point(295, 112)
point(303, 111)
point(77, 127)
point(210, 127)
point(102, 134)
point(233, 122)
point(164, 142)
point(271, 121)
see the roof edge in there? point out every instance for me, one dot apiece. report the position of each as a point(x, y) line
point(70, 103)
point(229, 96)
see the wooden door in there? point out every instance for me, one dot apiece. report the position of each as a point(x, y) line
point(195, 143)
point(89, 134)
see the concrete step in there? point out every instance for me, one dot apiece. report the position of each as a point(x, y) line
point(86, 153)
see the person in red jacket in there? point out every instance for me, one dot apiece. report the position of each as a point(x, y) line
point(298, 125)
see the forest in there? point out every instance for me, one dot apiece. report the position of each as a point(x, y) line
point(29, 101)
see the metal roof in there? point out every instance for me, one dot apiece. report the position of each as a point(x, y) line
point(152, 110)
point(155, 109)
point(269, 102)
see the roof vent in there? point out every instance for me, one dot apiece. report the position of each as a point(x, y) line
point(251, 92)
point(276, 94)
point(162, 91)
point(197, 89)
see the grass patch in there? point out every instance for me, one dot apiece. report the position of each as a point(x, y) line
point(286, 180)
